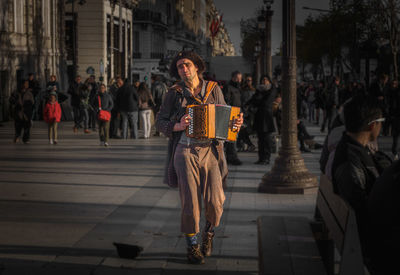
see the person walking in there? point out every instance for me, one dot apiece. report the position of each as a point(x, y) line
point(84, 95)
point(52, 116)
point(103, 102)
point(248, 91)
point(127, 101)
point(262, 102)
point(232, 95)
point(22, 102)
point(145, 104)
point(158, 91)
point(73, 90)
point(198, 167)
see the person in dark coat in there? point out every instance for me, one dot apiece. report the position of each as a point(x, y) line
point(248, 91)
point(128, 105)
point(380, 90)
point(73, 90)
point(394, 116)
point(384, 225)
point(35, 88)
point(22, 102)
point(106, 104)
point(355, 166)
point(115, 116)
point(232, 95)
point(262, 102)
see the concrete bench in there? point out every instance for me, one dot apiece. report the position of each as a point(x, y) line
point(339, 227)
point(286, 245)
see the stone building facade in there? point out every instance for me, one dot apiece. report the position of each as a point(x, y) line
point(162, 28)
point(103, 42)
point(31, 40)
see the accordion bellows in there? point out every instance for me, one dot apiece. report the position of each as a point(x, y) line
point(212, 121)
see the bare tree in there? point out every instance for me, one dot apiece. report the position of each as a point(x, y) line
point(388, 28)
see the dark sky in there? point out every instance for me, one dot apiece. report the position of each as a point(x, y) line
point(234, 10)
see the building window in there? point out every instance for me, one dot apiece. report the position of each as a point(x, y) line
point(19, 16)
point(46, 16)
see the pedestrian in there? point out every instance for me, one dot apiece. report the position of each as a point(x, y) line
point(319, 101)
point(247, 92)
point(115, 121)
point(22, 102)
point(310, 96)
point(355, 166)
point(103, 103)
point(52, 116)
point(232, 95)
point(93, 88)
point(394, 116)
point(127, 101)
point(383, 226)
point(35, 88)
point(158, 91)
point(332, 104)
point(73, 90)
point(84, 95)
point(380, 90)
point(145, 108)
point(198, 167)
point(262, 102)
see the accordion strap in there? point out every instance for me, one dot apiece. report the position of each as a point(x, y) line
point(210, 86)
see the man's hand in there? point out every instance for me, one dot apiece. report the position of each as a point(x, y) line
point(185, 121)
point(237, 123)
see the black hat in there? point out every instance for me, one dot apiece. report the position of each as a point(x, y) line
point(191, 55)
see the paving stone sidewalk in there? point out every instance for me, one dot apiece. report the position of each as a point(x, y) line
point(62, 207)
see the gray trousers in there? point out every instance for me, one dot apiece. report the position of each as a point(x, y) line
point(199, 179)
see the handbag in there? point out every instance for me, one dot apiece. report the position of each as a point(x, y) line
point(103, 114)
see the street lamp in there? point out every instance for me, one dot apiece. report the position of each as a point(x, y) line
point(289, 174)
point(264, 24)
point(257, 51)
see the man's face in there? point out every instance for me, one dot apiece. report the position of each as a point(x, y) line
point(186, 69)
point(249, 80)
point(237, 78)
point(52, 78)
point(78, 79)
point(30, 77)
point(395, 84)
point(120, 82)
point(102, 89)
point(26, 85)
point(376, 129)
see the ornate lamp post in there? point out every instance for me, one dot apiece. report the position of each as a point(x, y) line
point(264, 24)
point(257, 51)
point(289, 174)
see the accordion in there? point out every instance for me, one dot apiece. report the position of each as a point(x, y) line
point(212, 121)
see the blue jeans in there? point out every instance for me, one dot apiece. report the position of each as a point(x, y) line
point(85, 117)
point(133, 121)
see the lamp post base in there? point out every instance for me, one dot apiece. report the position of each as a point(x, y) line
point(289, 175)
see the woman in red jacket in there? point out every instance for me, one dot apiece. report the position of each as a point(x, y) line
point(52, 115)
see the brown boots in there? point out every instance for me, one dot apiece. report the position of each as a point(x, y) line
point(194, 255)
point(207, 243)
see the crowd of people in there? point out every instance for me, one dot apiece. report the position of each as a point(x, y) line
point(122, 103)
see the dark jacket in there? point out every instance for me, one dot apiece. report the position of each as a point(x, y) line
point(171, 111)
point(146, 101)
point(106, 100)
point(127, 99)
point(73, 90)
point(23, 105)
point(384, 225)
point(354, 171)
point(232, 94)
point(262, 102)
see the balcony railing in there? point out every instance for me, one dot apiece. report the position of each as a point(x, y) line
point(156, 55)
